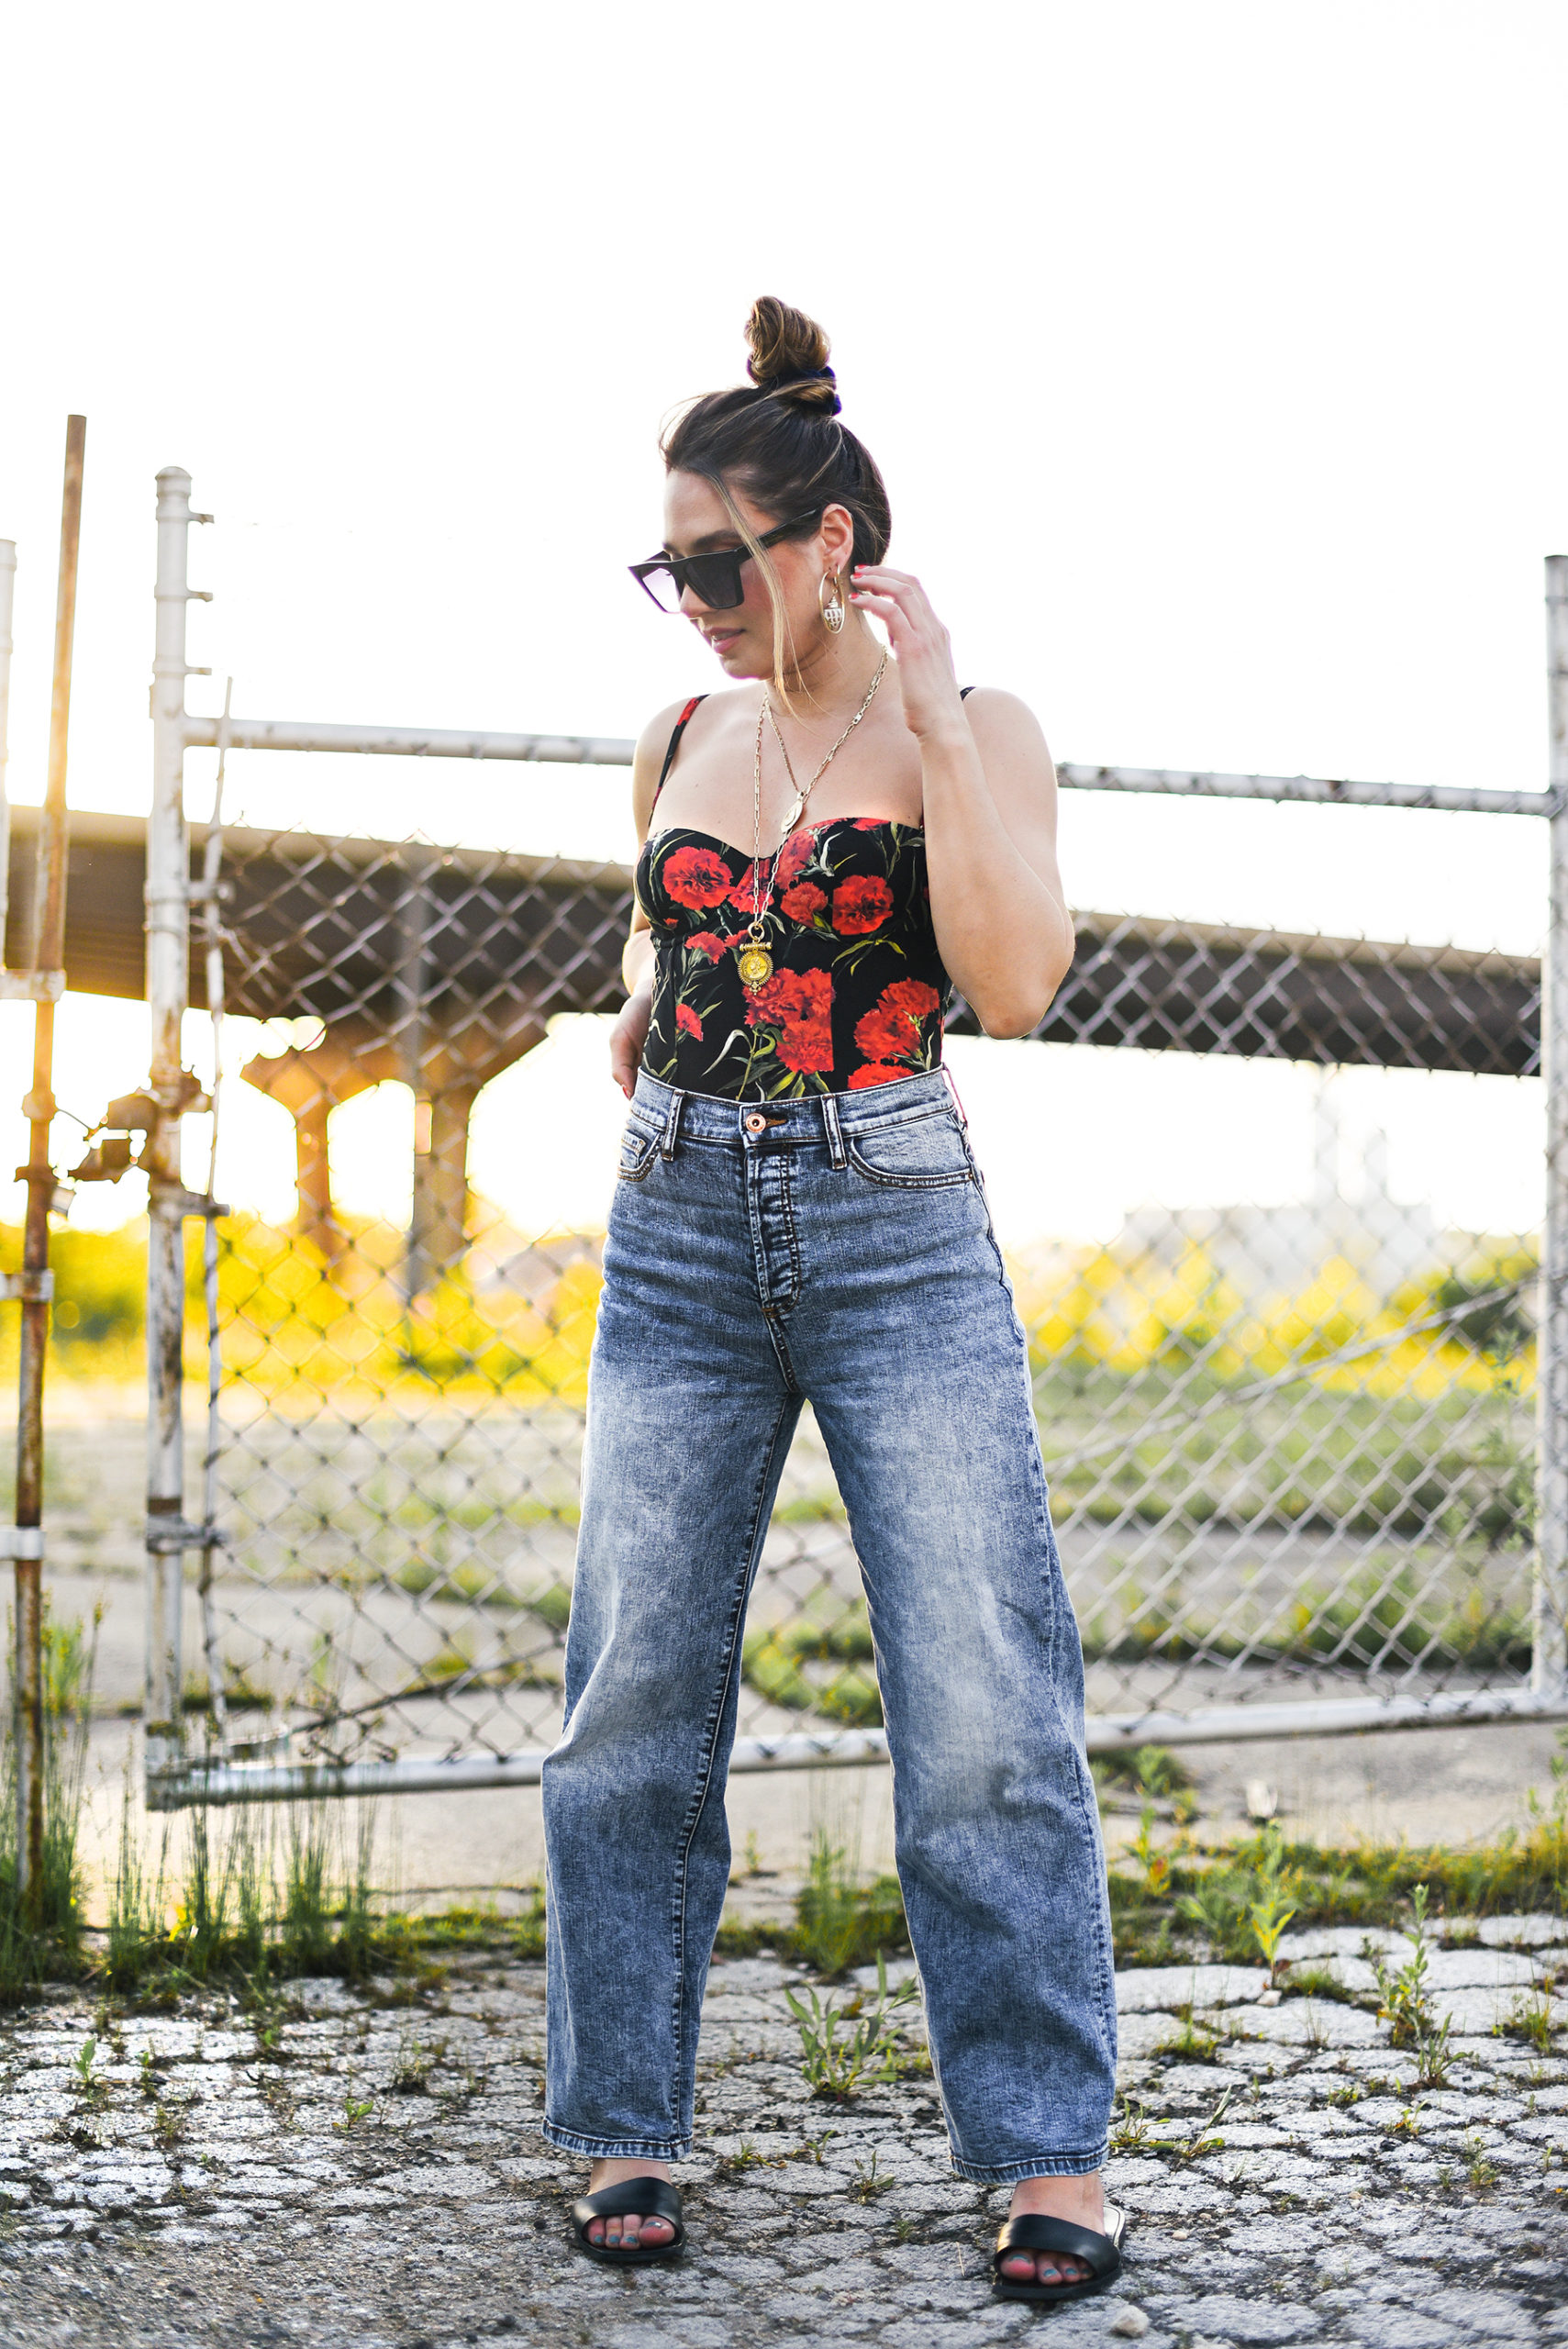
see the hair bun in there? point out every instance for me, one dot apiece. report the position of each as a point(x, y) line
point(789, 357)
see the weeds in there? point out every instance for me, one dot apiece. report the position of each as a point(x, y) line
point(869, 2049)
point(1130, 2134)
point(1319, 1982)
point(411, 2071)
point(1403, 2003)
point(41, 1938)
point(842, 1923)
point(868, 2180)
point(1154, 1774)
point(1530, 2018)
point(1269, 1919)
point(1200, 2143)
point(1194, 2043)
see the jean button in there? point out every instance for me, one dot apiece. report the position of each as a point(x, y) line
point(756, 1125)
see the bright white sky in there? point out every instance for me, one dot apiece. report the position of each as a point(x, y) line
point(1214, 355)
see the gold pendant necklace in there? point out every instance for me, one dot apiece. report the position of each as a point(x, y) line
point(752, 959)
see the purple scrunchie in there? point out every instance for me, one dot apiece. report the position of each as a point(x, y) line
point(806, 375)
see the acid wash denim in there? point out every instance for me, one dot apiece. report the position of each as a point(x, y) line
point(836, 1249)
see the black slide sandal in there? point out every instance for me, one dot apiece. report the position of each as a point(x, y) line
point(1032, 2231)
point(652, 2198)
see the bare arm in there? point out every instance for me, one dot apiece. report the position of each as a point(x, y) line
point(997, 903)
point(630, 1031)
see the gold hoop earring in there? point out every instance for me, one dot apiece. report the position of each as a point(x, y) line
point(830, 598)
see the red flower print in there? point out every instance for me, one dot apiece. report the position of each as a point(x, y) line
point(798, 1002)
point(794, 857)
point(860, 905)
point(708, 943)
point(694, 876)
point(803, 902)
point(687, 1022)
point(874, 1072)
point(892, 1026)
point(869, 823)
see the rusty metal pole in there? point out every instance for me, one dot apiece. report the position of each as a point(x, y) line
point(35, 1284)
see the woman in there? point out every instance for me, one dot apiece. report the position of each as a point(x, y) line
point(836, 840)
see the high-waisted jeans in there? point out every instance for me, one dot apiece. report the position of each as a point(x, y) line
point(836, 1249)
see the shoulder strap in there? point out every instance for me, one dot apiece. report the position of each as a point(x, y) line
point(681, 725)
point(964, 692)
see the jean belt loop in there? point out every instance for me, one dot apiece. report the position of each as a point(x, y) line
point(837, 1157)
point(671, 1133)
point(958, 1105)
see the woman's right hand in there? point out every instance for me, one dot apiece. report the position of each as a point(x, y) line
point(627, 1038)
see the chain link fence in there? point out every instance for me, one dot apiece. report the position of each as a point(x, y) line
point(1291, 1447)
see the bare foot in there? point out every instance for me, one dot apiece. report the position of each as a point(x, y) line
point(1080, 2201)
point(631, 2231)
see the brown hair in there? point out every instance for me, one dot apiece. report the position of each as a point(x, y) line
point(778, 440)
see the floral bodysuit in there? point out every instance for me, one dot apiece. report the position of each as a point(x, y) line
point(858, 989)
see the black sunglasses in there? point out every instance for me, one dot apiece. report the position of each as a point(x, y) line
point(713, 579)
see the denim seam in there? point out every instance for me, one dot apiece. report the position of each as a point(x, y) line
point(990, 1228)
point(1062, 1625)
point(1040, 2165)
point(609, 2149)
point(905, 1182)
point(786, 1194)
point(710, 1735)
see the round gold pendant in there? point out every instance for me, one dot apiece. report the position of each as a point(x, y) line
point(755, 965)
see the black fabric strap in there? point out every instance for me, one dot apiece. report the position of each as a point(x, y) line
point(964, 692)
point(682, 723)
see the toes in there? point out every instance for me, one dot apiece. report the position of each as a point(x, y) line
point(631, 2232)
point(1018, 2267)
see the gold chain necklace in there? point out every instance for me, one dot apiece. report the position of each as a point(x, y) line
point(752, 959)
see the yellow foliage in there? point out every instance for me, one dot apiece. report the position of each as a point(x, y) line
point(1132, 1314)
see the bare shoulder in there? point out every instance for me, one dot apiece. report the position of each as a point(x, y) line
point(648, 759)
point(999, 717)
point(654, 739)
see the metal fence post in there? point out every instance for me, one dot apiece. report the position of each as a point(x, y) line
point(168, 976)
point(1549, 1662)
point(34, 1286)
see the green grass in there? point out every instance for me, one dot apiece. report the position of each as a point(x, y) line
point(256, 1896)
point(41, 1936)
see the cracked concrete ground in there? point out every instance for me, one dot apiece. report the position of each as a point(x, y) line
point(366, 2170)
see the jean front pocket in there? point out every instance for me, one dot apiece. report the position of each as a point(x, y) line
point(639, 1149)
point(924, 1153)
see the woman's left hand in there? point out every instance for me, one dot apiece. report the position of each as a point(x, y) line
point(919, 642)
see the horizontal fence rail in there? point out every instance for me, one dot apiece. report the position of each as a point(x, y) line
point(589, 750)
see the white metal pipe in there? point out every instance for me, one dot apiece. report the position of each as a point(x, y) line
point(7, 585)
point(605, 751)
point(1456, 799)
point(1548, 1669)
point(1109, 1734)
point(168, 950)
point(410, 742)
